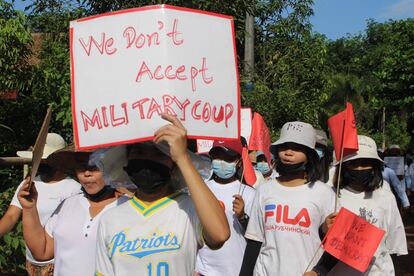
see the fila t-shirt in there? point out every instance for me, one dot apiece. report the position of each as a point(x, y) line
point(286, 220)
point(380, 209)
point(228, 259)
point(157, 239)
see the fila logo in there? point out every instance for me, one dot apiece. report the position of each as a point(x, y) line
point(281, 214)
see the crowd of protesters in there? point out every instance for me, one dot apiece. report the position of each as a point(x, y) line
point(156, 208)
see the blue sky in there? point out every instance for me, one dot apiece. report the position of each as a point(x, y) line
point(337, 18)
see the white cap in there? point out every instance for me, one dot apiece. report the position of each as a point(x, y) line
point(54, 142)
point(296, 132)
point(367, 148)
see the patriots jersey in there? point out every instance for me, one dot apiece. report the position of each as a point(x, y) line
point(154, 240)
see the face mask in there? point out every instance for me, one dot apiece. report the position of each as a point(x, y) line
point(102, 194)
point(286, 169)
point(149, 176)
point(263, 167)
point(320, 153)
point(223, 169)
point(358, 177)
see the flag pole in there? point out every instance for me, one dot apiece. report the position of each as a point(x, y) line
point(340, 165)
point(241, 179)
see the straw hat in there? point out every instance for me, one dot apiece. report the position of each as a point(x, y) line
point(54, 142)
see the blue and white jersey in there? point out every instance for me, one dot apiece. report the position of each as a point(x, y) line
point(158, 239)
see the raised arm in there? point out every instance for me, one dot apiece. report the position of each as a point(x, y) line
point(35, 236)
point(213, 220)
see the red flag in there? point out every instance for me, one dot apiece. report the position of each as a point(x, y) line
point(248, 170)
point(260, 137)
point(353, 240)
point(343, 131)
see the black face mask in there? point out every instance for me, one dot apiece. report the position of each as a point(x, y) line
point(285, 169)
point(359, 178)
point(104, 193)
point(149, 176)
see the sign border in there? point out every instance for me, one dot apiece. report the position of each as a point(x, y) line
point(153, 7)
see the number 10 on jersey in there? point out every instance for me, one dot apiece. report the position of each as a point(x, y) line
point(161, 269)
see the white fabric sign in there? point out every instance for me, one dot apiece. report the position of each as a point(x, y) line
point(396, 163)
point(131, 65)
point(204, 146)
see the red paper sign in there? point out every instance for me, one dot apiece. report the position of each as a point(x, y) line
point(248, 170)
point(260, 137)
point(353, 240)
point(344, 132)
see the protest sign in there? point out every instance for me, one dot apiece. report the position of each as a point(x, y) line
point(353, 240)
point(204, 146)
point(129, 66)
point(395, 163)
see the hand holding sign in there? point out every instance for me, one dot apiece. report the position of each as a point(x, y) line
point(175, 135)
point(353, 240)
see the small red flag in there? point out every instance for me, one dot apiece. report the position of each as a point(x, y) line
point(260, 137)
point(344, 132)
point(353, 240)
point(248, 170)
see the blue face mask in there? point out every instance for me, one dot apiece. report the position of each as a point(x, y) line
point(223, 169)
point(263, 167)
point(319, 152)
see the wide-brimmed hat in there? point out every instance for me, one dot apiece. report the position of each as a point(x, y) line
point(54, 142)
point(296, 132)
point(367, 149)
point(230, 147)
point(68, 158)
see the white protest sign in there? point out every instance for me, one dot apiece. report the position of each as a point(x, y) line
point(396, 163)
point(204, 146)
point(129, 66)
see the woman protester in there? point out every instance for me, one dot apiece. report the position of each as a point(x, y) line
point(53, 186)
point(159, 231)
point(289, 212)
point(362, 193)
point(69, 235)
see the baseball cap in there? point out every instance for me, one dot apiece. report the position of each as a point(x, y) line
point(296, 132)
point(231, 147)
point(54, 142)
point(367, 148)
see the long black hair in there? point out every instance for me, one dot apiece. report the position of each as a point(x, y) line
point(374, 184)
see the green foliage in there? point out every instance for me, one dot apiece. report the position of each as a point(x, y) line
point(12, 247)
point(15, 42)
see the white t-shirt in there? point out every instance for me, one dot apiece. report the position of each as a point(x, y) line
point(74, 234)
point(228, 259)
point(157, 239)
point(49, 198)
point(286, 220)
point(380, 209)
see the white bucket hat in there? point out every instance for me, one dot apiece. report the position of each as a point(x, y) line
point(54, 142)
point(367, 148)
point(296, 132)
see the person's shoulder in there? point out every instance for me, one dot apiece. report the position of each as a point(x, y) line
point(322, 187)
